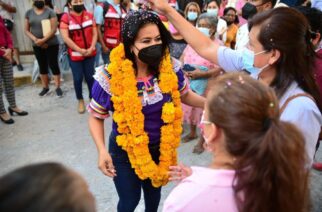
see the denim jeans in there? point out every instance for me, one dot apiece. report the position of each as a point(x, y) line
point(98, 48)
point(106, 57)
point(127, 183)
point(81, 69)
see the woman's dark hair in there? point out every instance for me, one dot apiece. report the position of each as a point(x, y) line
point(227, 9)
point(270, 153)
point(292, 38)
point(133, 22)
point(218, 2)
point(314, 16)
point(44, 187)
point(49, 4)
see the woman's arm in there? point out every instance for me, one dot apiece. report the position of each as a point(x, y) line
point(105, 163)
point(94, 40)
point(202, 44)
point(27, 31)
point(205, 74)
point(193, 99)
point(96, 127)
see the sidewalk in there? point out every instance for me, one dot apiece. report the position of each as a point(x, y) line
point(24, 77)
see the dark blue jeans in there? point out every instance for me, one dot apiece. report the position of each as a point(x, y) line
point(128, 184)
point(81, 69)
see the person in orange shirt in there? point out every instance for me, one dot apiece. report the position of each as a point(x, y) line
point(230, 15)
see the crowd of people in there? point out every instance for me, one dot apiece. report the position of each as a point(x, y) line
point(248, 74)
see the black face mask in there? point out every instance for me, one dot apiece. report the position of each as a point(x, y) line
point(39, 4)
point(248, 11)
point(78, 8)
point(151, 55)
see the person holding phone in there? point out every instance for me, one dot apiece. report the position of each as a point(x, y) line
point(194, 63)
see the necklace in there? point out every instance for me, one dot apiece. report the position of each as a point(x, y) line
point(130, 119)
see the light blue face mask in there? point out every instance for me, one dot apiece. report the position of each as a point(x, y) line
point(212, 12)
point(192, 16)
point(204, 30)
point(248, 58)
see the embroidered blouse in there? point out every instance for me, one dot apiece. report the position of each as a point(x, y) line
point(148, 91)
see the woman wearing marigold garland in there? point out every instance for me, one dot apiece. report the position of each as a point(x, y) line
point(144, 89)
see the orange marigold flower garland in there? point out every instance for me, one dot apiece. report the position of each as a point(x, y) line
point(130, 119)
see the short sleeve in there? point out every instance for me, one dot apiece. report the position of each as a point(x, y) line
point(100, 104)
point(182, 83)
point(52, 14)
point(98, 15)
point(27, 15)
point(308, 120)
point(229, 60)
point(64, 21)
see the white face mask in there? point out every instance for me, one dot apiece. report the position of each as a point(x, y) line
point(248, 58)
point(204, 31)
point(212, 12)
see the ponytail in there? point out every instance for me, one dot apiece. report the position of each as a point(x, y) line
point(272, 174)
point(270, 154)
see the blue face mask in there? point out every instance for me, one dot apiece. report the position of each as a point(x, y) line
point(212, 12)
point(248, 58)
point(192, 16)
point(204, 30)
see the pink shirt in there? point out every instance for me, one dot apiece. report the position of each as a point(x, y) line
point(205, 190)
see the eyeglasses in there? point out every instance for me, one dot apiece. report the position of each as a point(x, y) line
point(203, 122)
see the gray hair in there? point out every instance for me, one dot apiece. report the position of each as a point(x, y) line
point(211, 20)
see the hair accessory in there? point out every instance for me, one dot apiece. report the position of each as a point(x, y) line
point(228, 84)
point(271, 105)
point(241, 79)
point(135, 19)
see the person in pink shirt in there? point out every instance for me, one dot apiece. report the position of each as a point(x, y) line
point(258, 162)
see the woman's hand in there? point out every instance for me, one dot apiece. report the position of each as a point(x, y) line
point(39, 42)
point(180, 172)
point(83, 52)
point(197, 73)
point(90, 51)
point(160, 6)
point(105, 164)
point(105, 49)
point(7, 54)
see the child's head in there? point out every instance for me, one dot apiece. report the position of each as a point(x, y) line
point(241, 121)
point(45, 187)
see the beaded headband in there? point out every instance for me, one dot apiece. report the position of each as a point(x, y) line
point(135, 19)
